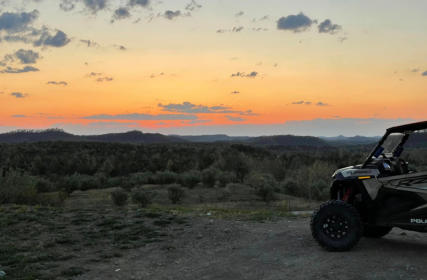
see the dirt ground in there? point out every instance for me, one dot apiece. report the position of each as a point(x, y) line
point(90, 239)
point(224, 249)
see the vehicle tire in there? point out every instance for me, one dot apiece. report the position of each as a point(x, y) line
point(375, 231)
point(336, 226)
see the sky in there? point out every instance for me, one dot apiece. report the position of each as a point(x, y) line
point(236, 67)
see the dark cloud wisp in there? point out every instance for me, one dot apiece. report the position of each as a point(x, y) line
point(57, 83)
point(17, 22)
point(252, 74)
point(327, 26)
point(295, 23)
point(19, 94)
point(12, 70)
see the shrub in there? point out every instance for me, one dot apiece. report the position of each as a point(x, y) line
point(141, 178)
point(226, 177)
point(223, 195)
point(79, 182)
point(119, 197)
point(54, 199)
point(44, 185)
point(290, 187)
point(264, 184)
point(141, 197)
point(165, 177)
point(209, 177)
point(18, 188)
point(175, 193)
point(266, 193)
point(190, 178)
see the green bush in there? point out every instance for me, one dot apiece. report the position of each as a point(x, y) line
point(119, 197)
point(54, 199)
point(79, 182)
point(290, 187)
point(165, 177)
point(141, 178)
point(264, 184)
point(142, 197)
point(44, 185)
point(266, 193)
point(225, 177)
point(190, 178)
point(18, 188)
point(209, 177)
point(175, 193)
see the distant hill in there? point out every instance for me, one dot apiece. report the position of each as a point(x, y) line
point(355, 140)
point(288, 140)
point(30, 136)
point(213, 138)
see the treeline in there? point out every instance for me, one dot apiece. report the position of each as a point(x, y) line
point(68, 166)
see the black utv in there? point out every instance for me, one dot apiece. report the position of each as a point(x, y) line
point(371, 198)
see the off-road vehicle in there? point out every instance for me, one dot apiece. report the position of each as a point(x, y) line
point(371, 198)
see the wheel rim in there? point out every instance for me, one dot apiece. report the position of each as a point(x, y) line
point(335, 226)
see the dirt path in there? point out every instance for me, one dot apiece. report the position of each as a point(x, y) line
point(221, 249)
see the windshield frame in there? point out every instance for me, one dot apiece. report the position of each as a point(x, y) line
point(395, 152)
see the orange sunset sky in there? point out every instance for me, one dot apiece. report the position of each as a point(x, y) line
point(239, 67)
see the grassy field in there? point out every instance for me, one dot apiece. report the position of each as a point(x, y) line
point(38, 242)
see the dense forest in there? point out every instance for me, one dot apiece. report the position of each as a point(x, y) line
point(28, 169)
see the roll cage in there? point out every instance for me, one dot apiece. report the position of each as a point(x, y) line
point(406, 130)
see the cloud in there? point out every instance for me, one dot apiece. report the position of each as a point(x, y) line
point(142, 117)
point(152, 76)
point(252, 74)
point(100, 77)
point(266, 17)
point(237, 29)
point(424, 73)
point(239, 14)
point(301, 102)
point(17, 22)
point(142, 3)
point(94, 74)
point(19, 94)
point(120, 47)
point(234, 29)
point(295, 23)
point(19, 116)
point(58, 40)
point(90, 43)
point(235, 119)
point(95, 5)
point(192, 6)
point(11, 70)
point(121, 13)
point(342, 39)
point(327, 26)
point(27, 56)
point(104, 79)
point(259, 29)
point(170, 15)
point(190, 108)
point(67, 5)
point(59, 83)
point(320, 103)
